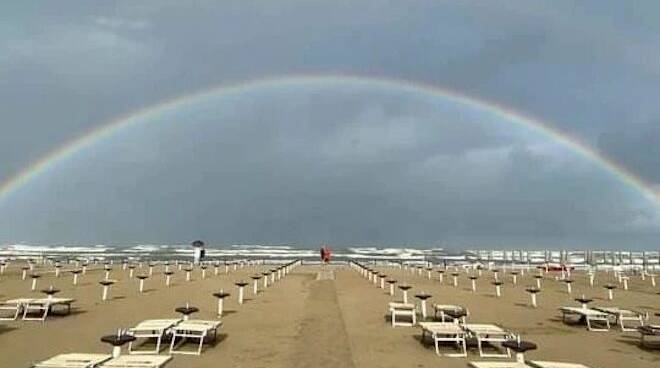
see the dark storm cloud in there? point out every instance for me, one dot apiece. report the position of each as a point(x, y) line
point(591, 69)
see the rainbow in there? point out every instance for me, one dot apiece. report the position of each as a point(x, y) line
point(106, 130)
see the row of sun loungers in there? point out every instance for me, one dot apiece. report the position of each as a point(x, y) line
point(28, 306)
point(177, 330)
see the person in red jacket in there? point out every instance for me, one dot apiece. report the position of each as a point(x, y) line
point(325, 254)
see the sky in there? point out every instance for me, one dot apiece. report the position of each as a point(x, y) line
point(339, 162)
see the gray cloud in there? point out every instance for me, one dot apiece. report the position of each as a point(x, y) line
point(589, 69)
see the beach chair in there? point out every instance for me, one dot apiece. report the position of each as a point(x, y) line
point(13, 307)
point(148, 329)
point(590, 316)
point(43, 306)
point(498, 365)
point(193, 329)
point(137, 361)
point(544, 364)
point(488, 333)
point(527, 364)
point(402, 309)
point(445, 311)
point(74, 360)
point(647, 331)
point(445, 332)
point(622, 315)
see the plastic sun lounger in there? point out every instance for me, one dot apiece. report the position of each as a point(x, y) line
point(622, 315)
point(151, 328)
point(137, 361)
point(527, 364)
point(488, 333)
point(589, 315)
point(74, 360)
point(544, 364)
point(13, 306)
point(646, 331)
point(498, 365)
point(402, 309)
point(442, 308)
point(445, 332)
point(44, 306)
point(193, 329)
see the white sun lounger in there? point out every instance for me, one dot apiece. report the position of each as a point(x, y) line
point(137, 361)
point(589, 315)
point(74, 361)
point(13, 306)
point(193, 329)
point(488, 333)
point(445, 332)
point(498, 365)
point(622, 315)
point(151, 328)
point(44, 306)
point(528, 364)
point(402, 309)
point(544, 364)
point(442, 308)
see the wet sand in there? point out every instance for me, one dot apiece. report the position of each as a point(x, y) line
point(303, 321)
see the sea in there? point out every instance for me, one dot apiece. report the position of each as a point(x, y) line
point(285, 253)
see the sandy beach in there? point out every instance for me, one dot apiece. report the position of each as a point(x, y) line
point(325, 319)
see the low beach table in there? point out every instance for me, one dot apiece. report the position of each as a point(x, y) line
point(34, 278)
point(532, 292)
point(106, 286)
point(422, 301)
point(520, 347)
point(50, 291)
point(404, 289)
point(538, 280)
point(445, 332)
point(186, 311)
point(610, 290)
point(588, 315)
point(74, 360)
point(489, 333)
point(583, 301)
point(221, 296)
point(255, 286)
point(382, 277)
point(241, 285)
point(141, 283)
point(150, 329)
point(473, 281)
point(514, 276)
point(168, 277)
point(402, 309)
point(391, 282)
point(75, 274)
point(117, 341)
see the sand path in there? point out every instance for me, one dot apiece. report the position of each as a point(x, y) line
point(322, 340)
